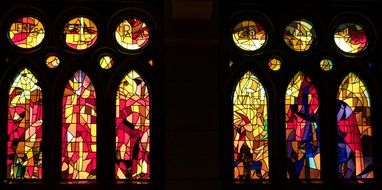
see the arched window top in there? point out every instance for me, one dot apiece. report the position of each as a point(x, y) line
point(353, 86)
point(24, 159)
point(249, 84)
point(302, 129)
point(133, 128)
point(79, 128)
point(250, 123)
point(354, 131)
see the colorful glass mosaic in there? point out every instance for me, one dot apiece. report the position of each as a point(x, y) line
point(132, 34)
point(52, 61)
point(274, 63)
point(250, 129)
point(350, 38)
point(326, 64)
point(302, 129)
point(24, 156)
point(80, 33)
point(106, 62)
point(133, 128)
point(79, 129)
point(26, 32)
point(249, 35)
point(354, 133)
point(299, 35)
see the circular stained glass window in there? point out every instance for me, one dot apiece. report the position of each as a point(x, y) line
point(350, 38)
point(52, 61)
point(106, 62)
point(132, 34)
point(326, 64)
point(299, 35)
point(249, 35)
point(26, 32)
point(274, 63)
point(80, 33)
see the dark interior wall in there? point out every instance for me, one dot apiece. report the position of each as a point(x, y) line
point(192, 153)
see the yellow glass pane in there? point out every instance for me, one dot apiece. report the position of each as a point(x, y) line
point(132, 34)
point(299, 35)
point(26, 32)
point(326, 64)
point(52, 61)
point(274, 63)
point(80, 33)
point(106, 62)
point(249, 35)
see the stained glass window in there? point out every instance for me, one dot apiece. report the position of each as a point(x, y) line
point(354, 133)
point(299, 35)
point(80, 33)
point(26, 32)
point(132, 34)
point(249, 35)
point(274, 63)
point(106, 62)
point(326, 64)
point(133, 128)
point(302, 129)
point(350, 38)
point(79, 129)
point(250, 129)
point(24, 159)
point(52, 61)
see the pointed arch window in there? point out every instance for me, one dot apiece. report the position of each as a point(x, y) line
point(79, 128)
point(24, 155)
point(133, 128)
point(302, 129)
point(250, 129)
point(354, 133)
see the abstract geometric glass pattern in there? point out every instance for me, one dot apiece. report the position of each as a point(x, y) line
point(79, 129)
point(133, 128)
point(299, 35)
point(80, 33)
point(26, 32)
point(302, 129)
point(52, 61)
point(354, 135)
point(106, 62)
point(274, 63)
point(250, 129)
point(350, 38)
point(326, 64)
point(24, 160)
point(249, 35)
point(132, 34)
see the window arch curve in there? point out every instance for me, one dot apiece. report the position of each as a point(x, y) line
point(354, 131)
point(250, 122)
point(302, 129)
